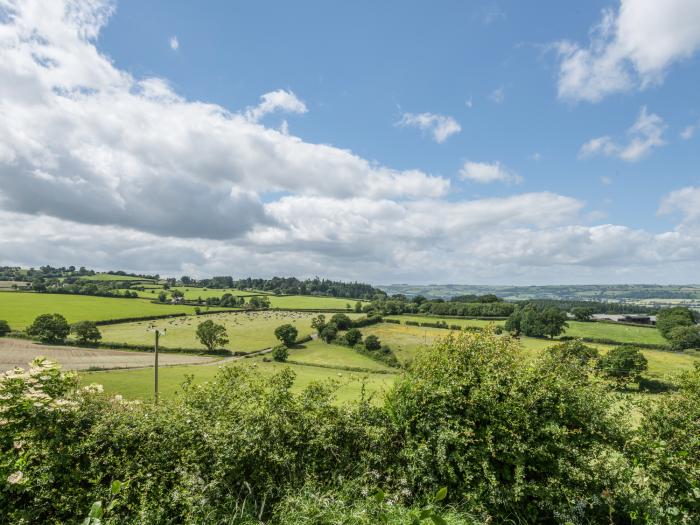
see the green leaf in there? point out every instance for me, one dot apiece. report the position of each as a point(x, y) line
point(380, 496)
point(116, 486)
point(441, 494)
point(96, 510)
point(437, 520)
point(111, 505)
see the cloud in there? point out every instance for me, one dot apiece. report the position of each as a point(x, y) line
point(174, 43)
point(441, 127)
point(643, 136)
point(630, 48)
point(685, 201)
point(607, 181)
point(276, 101)
point(498, 95)
point(491, 13)
point(536, 156)
point(689, 131)
point(487, 172)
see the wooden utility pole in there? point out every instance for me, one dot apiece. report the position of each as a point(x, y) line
point(156, 366)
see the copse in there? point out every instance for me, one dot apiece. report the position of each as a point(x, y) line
point(49, 328)
point(534, 321)
point(670, 318)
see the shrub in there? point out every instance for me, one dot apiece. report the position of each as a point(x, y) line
point(86, 332)
point(4, 328)
point(574, 351)
point(353, 336)
point(372, 343)
point(280, 353)
point(341, 321)
point(287, 334)
point(624, 363)
point(670, 318)
point(49, 328)
point(684, 337)
point(329, 333)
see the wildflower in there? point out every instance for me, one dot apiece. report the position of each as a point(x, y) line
point(15, 477)
point(118, 398)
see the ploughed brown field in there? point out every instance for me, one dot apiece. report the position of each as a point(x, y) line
point(19, 352)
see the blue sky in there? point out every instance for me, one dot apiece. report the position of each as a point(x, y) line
point(492, 142)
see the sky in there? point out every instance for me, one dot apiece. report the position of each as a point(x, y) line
point(485, 142)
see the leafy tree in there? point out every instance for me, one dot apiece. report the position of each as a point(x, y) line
point(353, 336)
point(86, 332)
point(329, 332)
point(211, 334)
point(574, 351)
point(624, 363)
point(358, 307)
point(582, 313)
point(669, 318)
point(177, 294)
point(162, 296)
point(287, 334)
point(684, 337)
point(537, 322)
point(554, 321)
point(514, 321)
point(318, 323)
point(280, 353)
point(4, 327)
point(372, 343)
point(49, 328)
point(259, 302)
point(341, 321)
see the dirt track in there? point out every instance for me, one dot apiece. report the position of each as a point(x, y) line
point(19, 352)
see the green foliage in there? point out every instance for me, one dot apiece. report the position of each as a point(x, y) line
point(4, 327)
point(574, 351)
point(318, 323)
point(287, 334)
point(211, 334)
point(258, 302)
point(49, 328)
point(353, 336)
point(86, 332)
point(583, 313)
point(624, 363)
point(372, 343)
point(684, 337)
point(534, 321)
point(280, 353)
point(670, 318)
point(341, 321)
point(162, 297)
point(329, 333)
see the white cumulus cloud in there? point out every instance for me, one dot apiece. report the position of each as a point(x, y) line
point(441, 127)
point(174, 43)
point(486, 172)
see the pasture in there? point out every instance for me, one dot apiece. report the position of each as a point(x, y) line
point(247, 331)
point(113, 277)
point(310, 302)
point(20, 308)
point(616, 332)
point(20, 352)
point(481, 323)
point(192, 294)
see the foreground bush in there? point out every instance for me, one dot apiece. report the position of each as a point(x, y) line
point(511, 440)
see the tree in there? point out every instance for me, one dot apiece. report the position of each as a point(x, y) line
point(624, 363)
point(574, 351)
point(534, 321)
point(372, 343)
point(162, 296)
point(669, 318)
point(211, 335)
point(86, 332)
point(342, 321)
point(684, 337)
point(259, 302)
point(329, 332)
point(353, 336)
point(514, 321)
point(582, 313)
point(287, 334)
point(358, 307)
point(49, 328)
point(554, 321)
point(177, 294)
point(318, 323)
point(280, 353)
point(4, 327)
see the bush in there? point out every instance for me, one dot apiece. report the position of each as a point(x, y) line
point(670, 318)
point(341, 321)
point(353, 336)
point(329, 333)
point(624, 363)
point(574, 351)
point(372, 343)
point(684, 337)
point(49, 328)
point(287, 334)
point(4, 328)
point(86, 332)
point(280, 353)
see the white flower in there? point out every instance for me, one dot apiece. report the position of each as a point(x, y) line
point(15, 477)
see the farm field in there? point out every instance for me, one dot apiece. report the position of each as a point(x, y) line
point(319, 353)
point(310, 302)
point(192, 293)
point(247, 331)
point(616, 332)
point(20, 352)
point(20, 308)
point(138, 384)
point(112, 277)
point(449, 320)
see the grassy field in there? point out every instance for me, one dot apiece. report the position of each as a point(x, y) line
point(112, 277)
point(615, 332)
point(246, 330)
point(320, 353)
point(138, 384)
point(449, 320)
point(192, 293)
point(310, 302)
point(20, 308)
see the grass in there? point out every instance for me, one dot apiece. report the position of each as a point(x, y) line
point(192, 293)
point(247, 331)
point(449, 320)
point(616, 332)
point(320, 353)
point(138, 384)
point(112, 277)
point(310, 302)
point(20, 308)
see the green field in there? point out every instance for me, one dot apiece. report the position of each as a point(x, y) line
point(310, 302)
point(20, 308)
point(192, 293)
point(320, 353)
point(449, 320)
point(616, 332)
point(247, 331)
point(138, 384)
